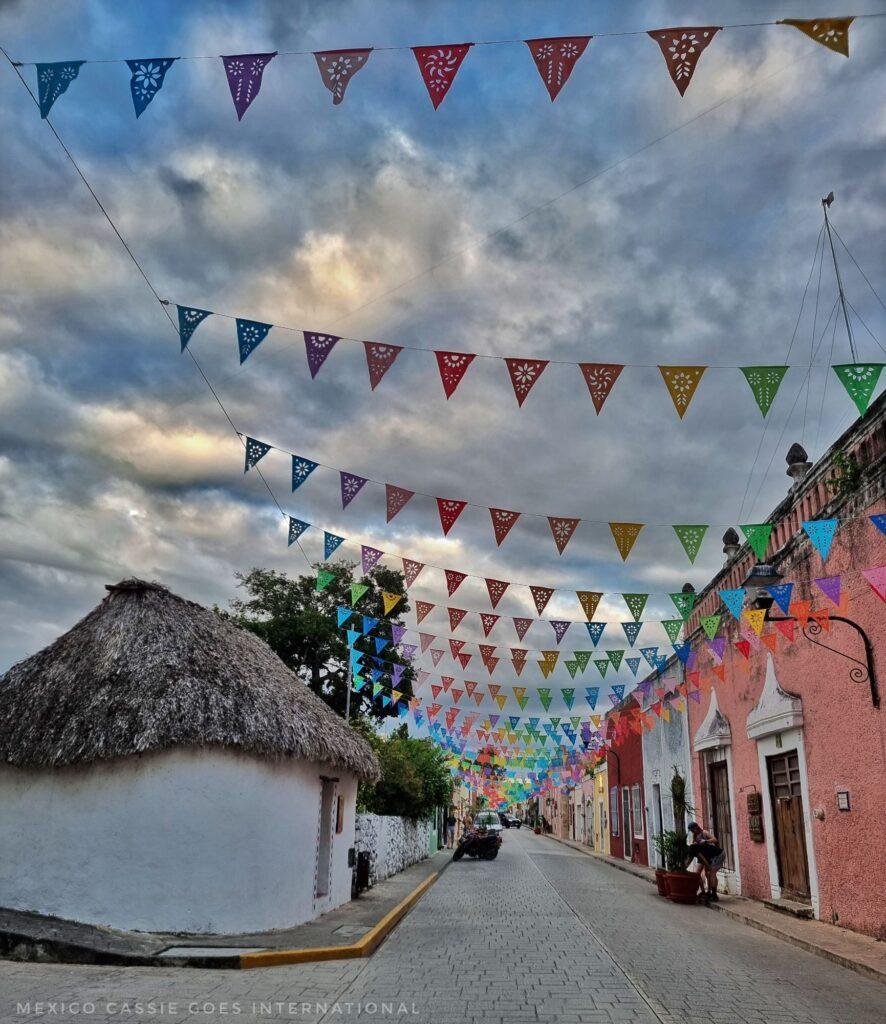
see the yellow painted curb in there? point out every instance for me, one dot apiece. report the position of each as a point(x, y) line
point(366, 945)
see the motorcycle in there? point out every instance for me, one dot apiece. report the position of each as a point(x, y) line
point(479, 843)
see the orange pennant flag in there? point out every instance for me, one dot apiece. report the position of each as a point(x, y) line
point(770, 640)
point(588, 599)
point(785, 627)
point(801, 610)
point(830, 32)
point(756, 617)
point(719, 671)
point(625, 534)
point(681, 382)
point(823, 617)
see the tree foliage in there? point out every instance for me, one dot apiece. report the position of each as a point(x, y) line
point(414, 777)
point(300, 625)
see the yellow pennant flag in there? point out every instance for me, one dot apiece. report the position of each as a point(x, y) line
point(501, 700)
point(551, 657)
point(665, 713)
point(588, 599)
point(624, 535)
point(679, 705)
point(396, 695)
point(830, 32)
point(390, 601)
point(596, 719)
point(546, 668)
point(681, 382)
point(755, 617)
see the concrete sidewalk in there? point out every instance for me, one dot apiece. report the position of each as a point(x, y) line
point(352, 930)
point(859, 953)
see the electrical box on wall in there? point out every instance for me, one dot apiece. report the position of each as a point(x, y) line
point(843, 803)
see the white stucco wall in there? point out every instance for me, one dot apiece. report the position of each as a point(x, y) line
point(393, 843)
point(186, 841)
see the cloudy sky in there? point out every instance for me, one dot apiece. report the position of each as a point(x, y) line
point(595, 228)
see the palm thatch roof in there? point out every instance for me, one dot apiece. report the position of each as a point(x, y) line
point(147, 670)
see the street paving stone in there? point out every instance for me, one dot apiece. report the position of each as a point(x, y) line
point(541, 934)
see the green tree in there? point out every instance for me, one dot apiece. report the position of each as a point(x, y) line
point(301, 626)
point(414, 777)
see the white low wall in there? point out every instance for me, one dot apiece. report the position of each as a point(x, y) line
point(392, 843)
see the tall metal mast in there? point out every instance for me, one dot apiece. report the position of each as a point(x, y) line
point(825, 203)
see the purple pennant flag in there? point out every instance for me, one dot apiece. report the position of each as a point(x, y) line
point(398, 671)
point(718, 646)
point(318, 347)
point(397, 633)
point(830, 587)
point(646, 687)
point(407, 651)
point(695, 695)
point(560, 628)
point(493, 720)
point(244, 73)
point(369, 557)
point(351, 486)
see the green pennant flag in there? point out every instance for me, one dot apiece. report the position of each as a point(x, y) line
point(544, 695)
point(583, 658)
point(691, 537)
point(602, 664)
point(376, 689)
point(710, 624)
point(522, 700)
point(357, 591)
point(615, 657)
point(684, 603)
point(636, 603)
point(859, 379)
point(757, 535)
point(672, 627)
point(764, 381)
point(324, 578)
point(568, 693)
point(576, 721)
point(571, 666)
point(555, 722)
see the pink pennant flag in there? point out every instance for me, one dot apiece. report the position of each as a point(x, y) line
point(379, 359)
point(877, 579)
point(338, 67)
point(496, 590)
point(502, 521)
point(351, 486)
point(426, 639)
point(555, 58)
point(449, 509)
point(455, 617)
point(317, 348)
point(396, 499)
point(244, 73)
point(422, 609)
point(452, 366)
point(411, 570)
point(454, 580)
point(562, 529)
point(369, 558)
point(830, 587)
point(422, 676)
point(521, 626)
point(436, 655)
point(438, 66)
point(524, 373)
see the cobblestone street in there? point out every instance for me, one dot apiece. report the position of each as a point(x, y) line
point(542, 934)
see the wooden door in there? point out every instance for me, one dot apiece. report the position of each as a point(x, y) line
point(720, 811)
point(627, 835)
point(790, 827)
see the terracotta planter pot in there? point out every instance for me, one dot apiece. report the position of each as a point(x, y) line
point(661, 881)
point(682, 886)
point(537, 830)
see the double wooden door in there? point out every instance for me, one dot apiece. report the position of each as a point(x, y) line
point(790, 826)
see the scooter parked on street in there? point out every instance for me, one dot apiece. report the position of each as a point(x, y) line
point(479, 843)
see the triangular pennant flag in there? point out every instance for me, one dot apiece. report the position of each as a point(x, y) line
point(615, 658)
point(544, 695)
point(488, 621)
point(560, 627)
point(369, 623)
point(877, 579)
point(338, 67)
point(770, 640)
point(296, 529)
point(455, 617)
point(860, 380)
point(496, 590)
point(397, 632)
point(785, 627)
point(524, 373)
point(555, 58)
point(147, 79)
point(351, 485)
point(691, 537)
point(591, 695)
point(250, 334)
point(631, 631)
point(53, 80)
point(718, 646)
point(879, 520)
point(502, 521)
point(379, 359)
point(757, 535)
point(744, 648)
point(501, 700)
point(764, 382)
point(436, 655)
point(595, 631)
point(449, 509)
point(672, 627)
point(411, 570)
point(396, 499)
point(568, 694)
point(684, 602)
point(602, 665)
point(244, 72)
point(734, 600)
point(301, 470)
point(830, 586)
point(454, 580)
point(683, 651)
point(255, 452)
point(710, 624)
point(487, 650)
point(650, 654)
point(464, 659)
point(633, 664)
point(521, 626)
point(625, 534)
point(681, 49)
point(588, 599)
point(520, 694)
point(369, 558)
point(600, 379)
point(324, 578)
point(452, 367)
point(541, 596)
point(830, 32)
point(438, 66)
point(317, 348)
point(357, 591)
point(681, 382)
point(562, 529)
point(617, 692)
point(636, 603)
point(781, 595)
point(800, 610)
point(821, 533)
point(425, 639)
point(422, 609)
point(189, 319)
point(343, 614)
point(390, 602)
point(381, 642)
point(756, 617)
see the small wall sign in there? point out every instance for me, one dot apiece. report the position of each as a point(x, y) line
point(843, 800)
point(755, 817)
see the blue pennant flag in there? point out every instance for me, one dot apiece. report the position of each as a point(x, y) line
point(879, 521)
point(255, 452)
point(250, 334)
point(781, 594)
point(375, 674)
point(683, 651)
point(733, 599)
point(514, 720)
point(356, 656)
point(353, 636)
point(381, 642)
point(385, 700)
point(591, 695)
point(633, 664)
point(402, 709)
point(343, 615)
point(369, 624)
point(418, 717)
point(661, 662)
point(53, 80)
point(301, 470)
point(595, 631)
point(651, 655)
point(147, 80)
point(533, 723)
point(330, 544)
point(632, 631)
point(617, 692)
point(296, 529)
point(189, 319)
point(821, 533)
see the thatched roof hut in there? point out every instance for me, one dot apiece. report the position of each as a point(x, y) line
point(147, 671)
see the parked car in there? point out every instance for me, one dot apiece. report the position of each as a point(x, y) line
point(509, 820)
point(488, 820)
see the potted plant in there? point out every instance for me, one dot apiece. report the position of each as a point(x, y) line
point(682, 885)
point(663, 843)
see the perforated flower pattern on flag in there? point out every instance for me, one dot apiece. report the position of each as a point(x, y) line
point(555, 58)
point(681, 49)
point(830, 32)
point(244, 72)
point(338, 67)
point(438, 66)
point(53, 80)
point(147, 80)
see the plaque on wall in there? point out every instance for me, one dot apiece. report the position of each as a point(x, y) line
point(755, 817)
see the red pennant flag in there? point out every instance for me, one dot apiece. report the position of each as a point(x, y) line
point(411, 570)
point(496, 590)
point(455, 617)
point(823, 617)
point(379, 359)
point(555, 58)
point(453, 580)
point(397, 497)
point(519, 654)
point(455, 646)
point(488, 620)
point(447, 681)
point(338, 67)
point(422, 608)
point(600, 379)
point(464, 659)
point(681, 48)
point(486, 651)
point(438, 66)
point(502, 521)
point(491, 664)
point(426, 639)
point(521, 626)
point(478, 698)
point(562, 529)
point(493, 689)
point(457, 695)
point(470, 687)
point(434, 709)
point(541, 596)
point(518, 666)
point(436, 690)
point(744, 647)
point(720, 671)
point(452, 366)
point(449, 510)
point(524, 373)
point(785, 627)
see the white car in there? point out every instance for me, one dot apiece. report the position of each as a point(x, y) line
point(488, 820)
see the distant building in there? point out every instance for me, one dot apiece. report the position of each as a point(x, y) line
point(624, 759)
